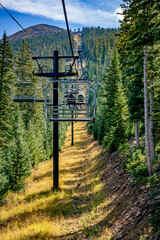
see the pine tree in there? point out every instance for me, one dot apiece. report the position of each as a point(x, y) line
point(24, 63)
point(100, 122)
point(48, 140)
point(32, 114)
point(18, 165)
point(24, 72)
point(136, 99)
point(116, 111)
point(4, 181)
point(33, 144)
point(153, 68)
point(118, 125)
point(142, 30)
point(6, 81)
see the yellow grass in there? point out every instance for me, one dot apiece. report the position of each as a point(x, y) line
point(73, 213)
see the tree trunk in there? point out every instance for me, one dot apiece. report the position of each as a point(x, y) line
point(147, 143)
point(137, 133)
point(151, 138)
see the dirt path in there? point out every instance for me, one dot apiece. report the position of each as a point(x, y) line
point(97, 199)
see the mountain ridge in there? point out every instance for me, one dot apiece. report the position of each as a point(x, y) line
point(35, 31)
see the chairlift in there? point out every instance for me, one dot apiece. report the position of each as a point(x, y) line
point(77, 108)
point(23, 92)
point(46, 70)
point(45, 66)
point(81, 98)
point(27, 92)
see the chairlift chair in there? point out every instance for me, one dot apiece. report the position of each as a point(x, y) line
point(23, 92)
point(81, 98)
point(75, 109)
point(27, 92)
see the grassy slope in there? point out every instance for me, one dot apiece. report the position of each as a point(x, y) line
point(40, 214)
point(96, 200)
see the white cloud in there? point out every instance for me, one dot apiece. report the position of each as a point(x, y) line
point(80, 13)
point(118, 13)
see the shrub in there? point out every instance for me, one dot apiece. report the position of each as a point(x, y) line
point(155, 220)
point(153, 180)
point(137, 166)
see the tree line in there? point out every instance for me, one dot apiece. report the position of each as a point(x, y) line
point(25, 134)
point(128, 98)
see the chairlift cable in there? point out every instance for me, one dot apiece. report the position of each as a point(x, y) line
point(69, 35)
point(66, 19)
point(65, 14)
point(15, 20)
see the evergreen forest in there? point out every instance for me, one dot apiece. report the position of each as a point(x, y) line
point(124, 66)
point(128, 90)
point(26, 136)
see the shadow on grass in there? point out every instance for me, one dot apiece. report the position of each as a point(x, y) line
point(39, 195)
point(72, 206)
point(49, 236)
point(84, 202)
point(73, 168)
point(38, 236)
point(40, 177)
point(67, 206)
point(78, 166)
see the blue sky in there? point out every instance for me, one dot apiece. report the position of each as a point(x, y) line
point(91, 13)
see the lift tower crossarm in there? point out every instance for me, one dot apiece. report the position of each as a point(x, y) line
point(51, 57)
point(60, 74)
point(54, 74)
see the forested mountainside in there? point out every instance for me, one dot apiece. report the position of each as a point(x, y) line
point(45, 45)
point(35, 31)
point(97, 46)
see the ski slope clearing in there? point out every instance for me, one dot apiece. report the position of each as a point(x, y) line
point(96, 201)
